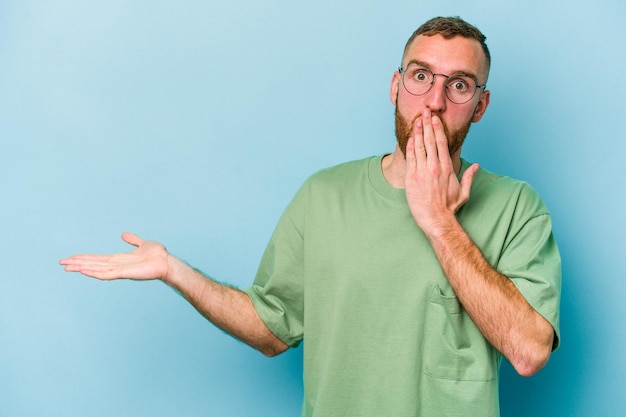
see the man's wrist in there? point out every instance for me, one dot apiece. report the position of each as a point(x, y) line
point(174, 276)
point(440, 227)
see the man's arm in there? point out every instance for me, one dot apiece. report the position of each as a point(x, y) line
point(493, 302)
point(228, 308)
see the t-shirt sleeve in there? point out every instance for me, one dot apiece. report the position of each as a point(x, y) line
point(531, 258)
point(278, 289)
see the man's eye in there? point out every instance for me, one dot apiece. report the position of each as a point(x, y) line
point(420, 75)
point(458, 84)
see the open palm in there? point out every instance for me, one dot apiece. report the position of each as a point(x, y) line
point(148, 261)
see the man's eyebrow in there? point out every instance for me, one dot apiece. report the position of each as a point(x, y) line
point(418, 62)
point(425, 65)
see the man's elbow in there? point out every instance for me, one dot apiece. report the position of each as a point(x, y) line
point(535, 357)
point(272, 346)
point(530, 366)
point(271, 351)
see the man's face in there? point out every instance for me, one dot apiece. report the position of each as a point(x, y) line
point(441, 56)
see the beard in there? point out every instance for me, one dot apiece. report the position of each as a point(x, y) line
point(404, 131)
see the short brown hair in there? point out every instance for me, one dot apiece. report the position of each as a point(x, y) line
point(449, 27)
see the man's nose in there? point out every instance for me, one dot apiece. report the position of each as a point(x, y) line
point(436, 99)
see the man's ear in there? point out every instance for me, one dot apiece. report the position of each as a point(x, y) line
point(481, 107)
point(395, 85)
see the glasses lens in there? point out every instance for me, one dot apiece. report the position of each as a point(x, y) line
point(460, 88)
point(417, 80)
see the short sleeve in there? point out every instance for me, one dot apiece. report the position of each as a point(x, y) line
point(531, 259)
point(278, 289)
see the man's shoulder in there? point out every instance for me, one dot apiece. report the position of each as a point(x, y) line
point(343, 173)
point(332, 183)
point(493, 187)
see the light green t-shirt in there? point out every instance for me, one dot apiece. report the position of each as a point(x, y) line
point(348, 271)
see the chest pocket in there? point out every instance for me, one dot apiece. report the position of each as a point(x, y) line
point(455, 349)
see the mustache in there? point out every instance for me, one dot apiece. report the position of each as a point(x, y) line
point(443, 123)
point(405, 130)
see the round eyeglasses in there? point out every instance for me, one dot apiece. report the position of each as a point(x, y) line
point(459, 88)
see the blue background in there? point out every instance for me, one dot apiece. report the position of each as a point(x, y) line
point(193, 123)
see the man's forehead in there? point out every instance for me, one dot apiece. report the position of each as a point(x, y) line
point(447, 55)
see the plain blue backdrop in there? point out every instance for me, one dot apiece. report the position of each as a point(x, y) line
point(194, 122)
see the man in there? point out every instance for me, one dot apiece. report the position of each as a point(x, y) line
point(409, 275)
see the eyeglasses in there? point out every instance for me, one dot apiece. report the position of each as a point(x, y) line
point(459, 88)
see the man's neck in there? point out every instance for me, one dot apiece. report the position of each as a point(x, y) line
point(394, 167)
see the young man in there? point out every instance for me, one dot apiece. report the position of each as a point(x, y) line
point(409, 275)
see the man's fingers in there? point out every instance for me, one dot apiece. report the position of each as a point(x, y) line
point(76, 260)
point(466, 181)
point(91, 259)
point(94, 266)
point(419, 148)
point(105, 267)
point(411, 162)
point(441, 142)
point(105, 275)
point(132, 239)
point(430, 144)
